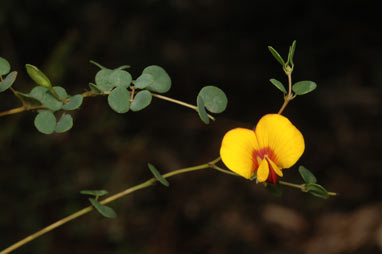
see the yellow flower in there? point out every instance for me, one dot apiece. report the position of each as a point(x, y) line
point(275, 144)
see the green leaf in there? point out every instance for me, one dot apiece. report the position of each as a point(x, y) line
point(38, 76)
point(161, 80)
point(291, 53)
point(74, 102)
point(157, 175)
point(61, 92)
point(45, 122)
point(94, 88)
point(64, 124)
point(279, 85)
point(102, 80)
point(304, 87)
point(119, 100)
point(141, 100)
point(317, 190)
point(201, 110)
point(277, 56)
point(5, 67)
point(96, 193)
point(105, 211)
point(143, 81)
point(275, 189)
point(214, 99)
point(120, 78)
point(8, 81)
point(306, 175)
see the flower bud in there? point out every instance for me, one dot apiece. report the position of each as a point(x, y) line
point(38, 76)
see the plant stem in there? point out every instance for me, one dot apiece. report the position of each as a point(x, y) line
point(180, 103)
point(302, 187)
point(116, 196)
point(289, 96)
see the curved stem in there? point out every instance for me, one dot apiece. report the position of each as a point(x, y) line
point(302, 187)
point(187, 105)
point(116, 196)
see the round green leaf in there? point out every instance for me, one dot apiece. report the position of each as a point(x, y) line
point(5, 67)
point(61, 92)
point(214, 99)
point(97, 193)
point(8, 81)
point(141, 100)
point(120, 78)
point(317, 190)
point(304, 87)
point(119, 100)
point(74, 103)
point(105, 211)
point(102, 80)
point(201, 110)
point(143, 81)
point(45, 122)
point(38, 76)
point(64, 124)
point(278, 84)
point(161, 80)
point(46, 97)
point(157, 175)
point(306, 175)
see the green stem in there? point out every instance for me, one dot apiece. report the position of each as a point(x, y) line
point(289, 96)
point(298, 186)
point(187, 105)
point(116, 196)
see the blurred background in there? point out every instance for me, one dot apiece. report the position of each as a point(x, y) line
point(201, 42)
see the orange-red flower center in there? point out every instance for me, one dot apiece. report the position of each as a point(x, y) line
point(267, 154)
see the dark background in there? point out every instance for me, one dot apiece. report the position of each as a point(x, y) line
point(204, 42)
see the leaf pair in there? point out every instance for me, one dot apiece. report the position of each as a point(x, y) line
point(105, 211)
point(311, 184)
point(8, 81)
point(299, 88)
point(279, 59)
point(46, 122)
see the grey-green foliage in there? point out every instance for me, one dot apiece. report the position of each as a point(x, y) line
point(5, 67)
point(8, 81)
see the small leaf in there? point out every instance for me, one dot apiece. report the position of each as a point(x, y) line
point(306, 175)
point(304, 87)
point(61, 92)
point(201, 110)
point(119, 100)
point(120, 78)
point(214, 99)
point(277, 56)
point(161, 80)
point(74, 102)
point(275, 189)
point(317, 190)
point(141, 100)
point(45, 122)
point(5, 67)
point(50, 101)
point(291, 53)
point(8, 81)
point(96, 193)
point(64, 124)
point(102, 80)
point(38, 76)
point(94, 88)
point(143, 81)
point(157, 175)
point(279, 85)
point(105, 211)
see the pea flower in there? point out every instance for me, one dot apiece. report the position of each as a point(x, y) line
point(275, 144)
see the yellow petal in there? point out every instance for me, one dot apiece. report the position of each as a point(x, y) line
point(263, 171)
point(275, 168)
point(237, 150)
point(285, 140)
